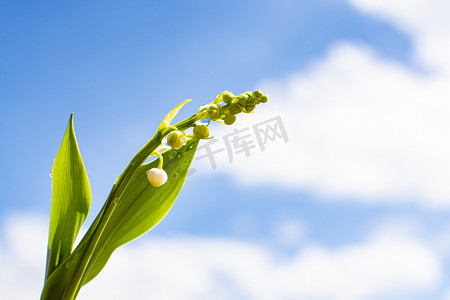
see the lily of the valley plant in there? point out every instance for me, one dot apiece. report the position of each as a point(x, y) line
point(141, 196)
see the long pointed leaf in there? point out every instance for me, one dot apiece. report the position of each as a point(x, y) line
point(140, 208)
point(71, 200)
point(169, 117)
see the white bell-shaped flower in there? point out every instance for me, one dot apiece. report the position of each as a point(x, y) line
point(156, 177)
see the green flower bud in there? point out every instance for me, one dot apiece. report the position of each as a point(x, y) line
point(215, 111)
point(229, 119)
point(263, 98)
point(246, 95)
point(252, 101)
point(257, 94)
point(156, 177)
point(176, 139)
point(203, 112)
point(242, 100)
point(235, 108)
point(201, 131)
point(227, 97)
point(226, 110)
point(249, 108)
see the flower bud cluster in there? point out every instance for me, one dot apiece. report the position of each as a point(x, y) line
point(223, 109)
point(226, 106)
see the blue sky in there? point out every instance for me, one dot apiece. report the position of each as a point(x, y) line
point(358, 85)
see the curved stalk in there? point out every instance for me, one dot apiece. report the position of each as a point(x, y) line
point(75, 283)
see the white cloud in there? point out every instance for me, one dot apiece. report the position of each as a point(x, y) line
point(290, 232)
point(360, 126)
point(447, 295)
point(427, 21)
point(22, 256)
point(387, 263)
point(199, 268)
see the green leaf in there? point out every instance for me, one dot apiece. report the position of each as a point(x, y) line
point(169, 117)
point(140, 208)
point(71, 200)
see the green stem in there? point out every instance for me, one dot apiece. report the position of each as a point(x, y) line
point(185, 124)
point(160, 159)
point(74, 285)
point(75, 282)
